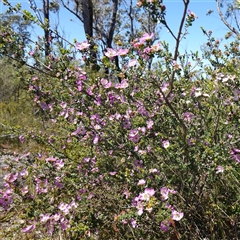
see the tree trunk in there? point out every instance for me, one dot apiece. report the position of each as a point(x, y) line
point(46, 27)
point(87, 15)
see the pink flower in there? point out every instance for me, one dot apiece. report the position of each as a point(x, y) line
point(21, 138)
point(164, 226)
point(82, 46)
point(63, 105)
point(79, 131)
point(59, 164)
point(139, 208)
point(188, 116)
point(24, 190)
point(146, 37)
point(156, 47)
point(132, 63)
point(90, 91)
point(122, 52)
point(133, 223)
point(164, 86)
point(192, 14)
point(126, 124)
point(149, 124)
point(28, 228)
point(164, 193)
point(137, 44)
point(106, 84)
point(147, 50)
point(41, 186)
point(50, 228)
point(56, 217)
point(235, 154)
point(192, 141)
point(148, 192)
point(141, 182)
point(236, 94)
point(154, 170)
point(64, 224)
point(58, 182)
point(51, 159)
point(79, 85)
point(11, 177)
point(44, 106)
point(6, 198)
point(165, 144)
point(44, 218)
point(149, 209)
point(111, 53)
point(123, 84)
point(127, 193)
point(133, 135)
point(176, 66)
point(96, 139)
point(65, 208)
point(177, 216)
point(220, 169)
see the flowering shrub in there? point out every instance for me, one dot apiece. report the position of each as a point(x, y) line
point(153, 156)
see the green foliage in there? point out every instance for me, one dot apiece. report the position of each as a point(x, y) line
point(153, 156)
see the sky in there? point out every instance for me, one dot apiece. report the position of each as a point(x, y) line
point(73, 28)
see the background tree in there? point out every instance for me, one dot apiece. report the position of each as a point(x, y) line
point(18, 24)
point(18, 29)
point(14, 38)
point(43, 16)
point(229, 11)
point(111, 23)
point(130, 160)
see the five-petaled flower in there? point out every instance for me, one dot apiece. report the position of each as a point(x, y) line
point(165, 143)
point(82, 46)
point(177, 216)
point(145, 196)
point(220, 169)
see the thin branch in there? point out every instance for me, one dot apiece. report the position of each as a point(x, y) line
point(58, 35)
point(186, 3)
point(71, 11)
point(169, 29)
point(32, 67)
point(33, 6)
point(180, 29)
point(236, 20)
point(232, 29)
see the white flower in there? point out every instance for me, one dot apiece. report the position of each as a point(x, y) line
point(177, 216)
point(165, 144)
point(141, 182)
point(220, 169)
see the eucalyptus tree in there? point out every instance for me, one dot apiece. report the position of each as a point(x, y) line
point(18, 24)
point(110, 23)
point(43, 18)
point(14, 25)
point(15, 35)
point(229, 12)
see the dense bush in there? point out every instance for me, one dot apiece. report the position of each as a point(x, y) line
point(153, 156)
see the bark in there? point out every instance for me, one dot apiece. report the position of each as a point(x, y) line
point(87, 16)
point(232, 29)
point(113, 23)
point(46, 27)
